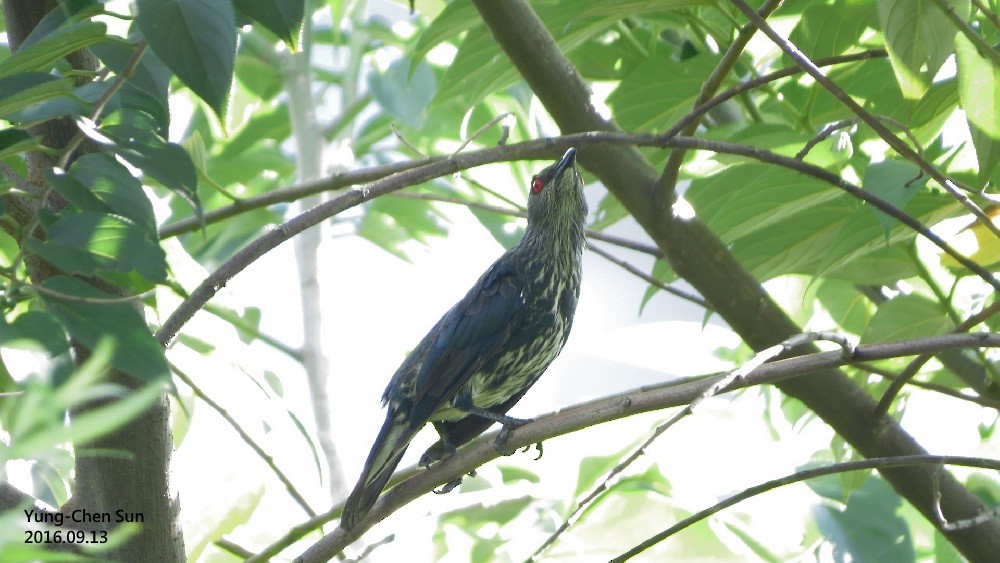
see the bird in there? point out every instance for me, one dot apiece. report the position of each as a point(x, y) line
point(492, 346)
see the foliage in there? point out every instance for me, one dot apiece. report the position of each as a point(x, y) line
point(185, 130)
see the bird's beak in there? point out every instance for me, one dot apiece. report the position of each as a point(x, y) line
point(568, 160)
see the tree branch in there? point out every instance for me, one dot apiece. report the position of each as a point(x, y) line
point(891, 139)
point(590, 413)
point(710, 267)
point(804, 475)
point(667, 183)
point(533, 149)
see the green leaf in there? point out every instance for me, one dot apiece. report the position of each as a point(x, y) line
point(480, 66)
point(919, 38)
point(864, 81)
point(65, 11)
point(933, 110)
point(15, 141)
point(979, 93)
point(136, 352)
point(40, 55)
point(474, 516)
point(905, 317)
point(198, 345)
point(868, 528)
point(90, 242)
point(197, 40)
point(282, 17)
point(611, 56)
point(659, 91)
point(894, 181)
point(146, 87)
point(115, 188)
point(825, 30)
point(91, 424)
point(250, 326)
point(404, 95)
point(743, 199)
point(215, 525)
point(134, 140)
point(512, 474)
point(848, 307)
point(454, 19)
point(661, 271)
point(609, 211)
point(79, 104)
point(259, 77)
point(862, 233)
point(34, 330)
point(391, 222)
point(26, 90)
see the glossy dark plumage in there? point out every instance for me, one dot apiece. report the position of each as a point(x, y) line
point(485, 353)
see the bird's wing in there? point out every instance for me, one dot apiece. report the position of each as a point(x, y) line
point(469, 335)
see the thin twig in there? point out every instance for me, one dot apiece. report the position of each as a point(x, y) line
point(892, 140)
point(372, 547)
point(667, 181)
point(247, 439)
point(847, 352)
point(823, 135)
point(964, 523)
point(914, 366)
point(837, 125)
point(399, 137)
point(118, 82)
point(475, 135)
point(644, 248)
point(988, 12)
point(984, 48)
point(96, 300)
point(803, 475)
point(695, 114)
point(935, 387)
point(696, 299)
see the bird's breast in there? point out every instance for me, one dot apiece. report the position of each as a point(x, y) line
point(534, 343)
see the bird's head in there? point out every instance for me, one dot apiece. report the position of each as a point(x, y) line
point(555, 197)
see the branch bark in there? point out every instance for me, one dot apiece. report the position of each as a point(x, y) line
point(415, 482)
point(707, 264)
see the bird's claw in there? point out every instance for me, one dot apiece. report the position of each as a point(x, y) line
point(500, 444)
point(537, 446)
point(439, 451)
point(450, 485)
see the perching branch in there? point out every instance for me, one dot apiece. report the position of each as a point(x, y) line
point(584, 415)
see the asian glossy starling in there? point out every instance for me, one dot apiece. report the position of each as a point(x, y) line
point(485, 353)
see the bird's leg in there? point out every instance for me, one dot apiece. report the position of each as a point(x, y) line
point(441, 450)
point(508, 423)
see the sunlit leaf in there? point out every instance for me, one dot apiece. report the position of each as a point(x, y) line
point(918, 36)
point(197, 40)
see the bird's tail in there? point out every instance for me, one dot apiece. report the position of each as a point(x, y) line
point(389, 448)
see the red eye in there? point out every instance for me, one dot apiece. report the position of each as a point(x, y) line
point(536, 185)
